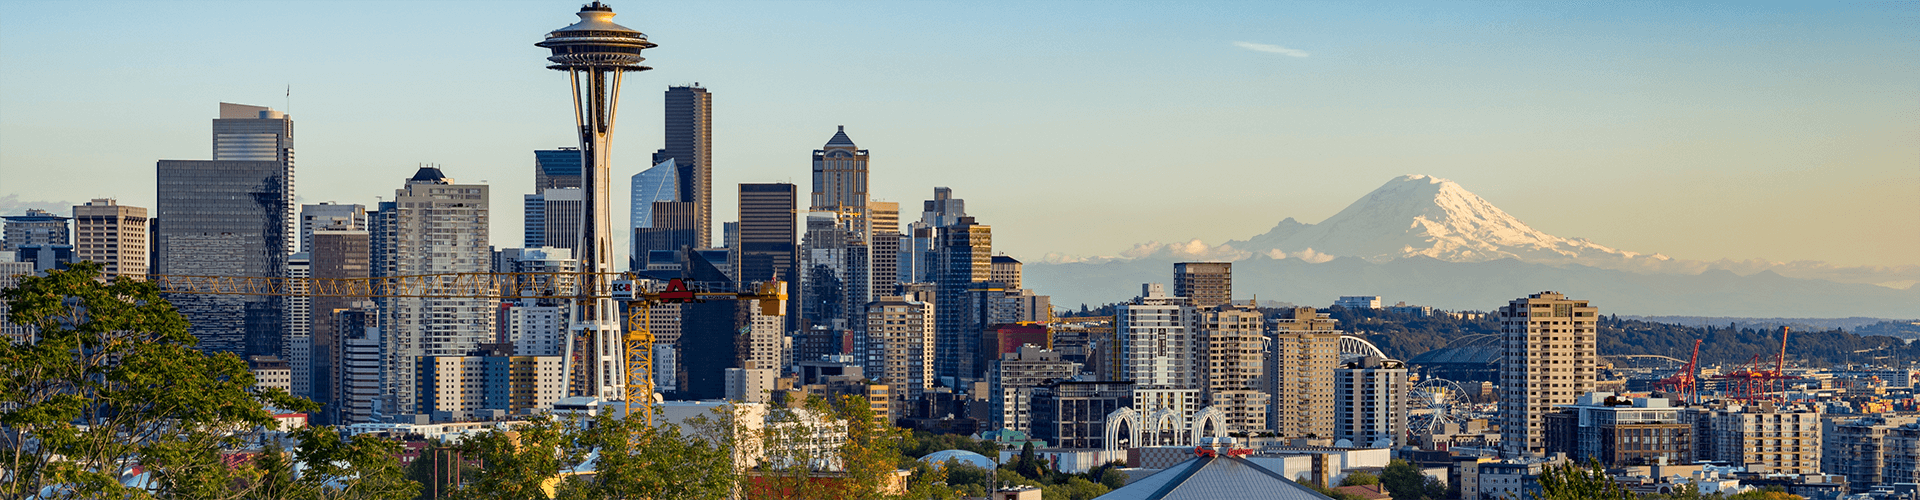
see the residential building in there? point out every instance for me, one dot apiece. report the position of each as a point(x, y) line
point(1619, 431)
point(1231, 362)
point(1073, 414)
point(1370, 403)
point(1763, 437)
point(1306, 349)
point(438, 226)
point(113, 235)
point(1013, 378)
point(10, 273)
point(1547, 361)
point(750, 385)
point(37, 227)
point(883, 248)
point(296, 343)
point(1858, 449)
point(901, 331)
point(1902, 456)
point(1005, 270)
point(1156, 343)
point(689, 142)
point(270, 372)
point(1208, 284)
point(355, 375)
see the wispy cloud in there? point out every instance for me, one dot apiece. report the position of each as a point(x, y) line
point(1275, 49)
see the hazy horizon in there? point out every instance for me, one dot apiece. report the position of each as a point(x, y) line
point(1699, 131)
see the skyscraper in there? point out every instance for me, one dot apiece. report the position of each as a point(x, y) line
point(1305, 353)
point(296, 343)
point(839, 175)
point(883, 248)
point(657, 184)
point(1547, 360)
point(836, 280)
point(1230, 364)
point(231, 216)
point(689, 142)
point(441, 228)
point(351, 217)
point(560, 217)
point(964, 253)
point(556, 168)
point(769, 247)
point(339, 251)
point(1370, 402)
point(1208, 283)
point(112, 234)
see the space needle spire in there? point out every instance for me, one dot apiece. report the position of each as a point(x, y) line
point(595, 52)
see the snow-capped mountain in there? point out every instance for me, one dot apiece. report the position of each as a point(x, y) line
point(1418, 215)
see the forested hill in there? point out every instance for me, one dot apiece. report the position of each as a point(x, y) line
point(1404, 336)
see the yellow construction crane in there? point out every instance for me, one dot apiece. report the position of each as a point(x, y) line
point(640, 293)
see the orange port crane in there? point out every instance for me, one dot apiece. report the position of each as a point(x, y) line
point(1685, 382)
point(1752, 382)
point(640, 293)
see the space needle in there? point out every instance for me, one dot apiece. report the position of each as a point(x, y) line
point(595, 53)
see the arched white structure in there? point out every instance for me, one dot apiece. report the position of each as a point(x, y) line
point(1161, 422)
point(1132, 419)
point(1200, 420)
point(1358, 347)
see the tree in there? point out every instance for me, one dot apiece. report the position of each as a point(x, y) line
point(1359, 479)
point(1572, 481)
point(1406, 481)
point(635, 460)
point(110, 380)
point(521, 462)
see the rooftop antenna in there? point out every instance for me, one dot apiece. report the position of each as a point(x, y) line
point(289, 98)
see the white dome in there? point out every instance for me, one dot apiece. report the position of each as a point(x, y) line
point(971, 458)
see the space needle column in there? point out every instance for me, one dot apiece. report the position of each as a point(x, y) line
point(595, 52)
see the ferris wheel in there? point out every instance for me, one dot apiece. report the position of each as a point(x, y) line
point(1435, 402)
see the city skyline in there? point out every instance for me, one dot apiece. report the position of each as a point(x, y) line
point(1722, 124)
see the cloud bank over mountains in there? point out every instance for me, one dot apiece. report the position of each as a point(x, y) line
point(1437, 230)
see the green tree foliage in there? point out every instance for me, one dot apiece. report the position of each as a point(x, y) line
point(110, 381)
point(1359, 479)
point(1768, 493)
point(520, 462)
point(1406, 481)
point(1574, 481)
point(922, 443)
point(802, 459)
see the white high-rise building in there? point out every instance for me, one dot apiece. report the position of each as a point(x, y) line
point(296, 346)
point(1370, 403)
point(1156, 346)
point(1547, 360)
point(439, 227)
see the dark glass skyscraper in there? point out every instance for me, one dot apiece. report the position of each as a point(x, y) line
point(689, 142)
point(231, 216)
point(964, 253)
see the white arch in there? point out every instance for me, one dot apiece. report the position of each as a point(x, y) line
point(1165, 420)
point(1200, 419)
point(1358, 346)
point(1132, 419)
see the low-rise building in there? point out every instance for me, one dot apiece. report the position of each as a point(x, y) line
point(1620, 431)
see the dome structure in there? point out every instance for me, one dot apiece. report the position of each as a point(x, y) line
point(968, 457)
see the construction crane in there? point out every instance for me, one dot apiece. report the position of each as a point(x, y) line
point(1684, 381)
point(637, 291)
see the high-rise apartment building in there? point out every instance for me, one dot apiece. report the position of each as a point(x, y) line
point(10, 273)
point(1209, 284)
point(883, 248)
point(1370, 403)
point(1006, 270)
point(112, 234)
point(689, 142)
point(37, 227)
point(1012, 379)
point(965, 254)
point(1547, 361)
point(296, 343)
point(1858, 449)
point(1306, 349)
point(900, 330)
point(1156, 340)
point(349, 217)
point(439, 227)
point(1231, 364)
point(1763, 437)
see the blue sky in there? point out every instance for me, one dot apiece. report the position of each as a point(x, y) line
point(1697, 130)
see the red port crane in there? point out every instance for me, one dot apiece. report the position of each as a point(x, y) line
point(1751, 382)
point(1684, 382)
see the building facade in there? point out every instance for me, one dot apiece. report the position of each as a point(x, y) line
point(37, 227)
point(1762, 437)
point(1548, 361)
point(901, 330)
point(1619, 431)
point(1370, 402)
point(112, 234)
point(1209, 284)
point(1014, 377)
point(438, 227)
point(689, 142)
point(1306, 349)
point(1231, 357)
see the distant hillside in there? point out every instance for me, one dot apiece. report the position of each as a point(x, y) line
point(1404, 336)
